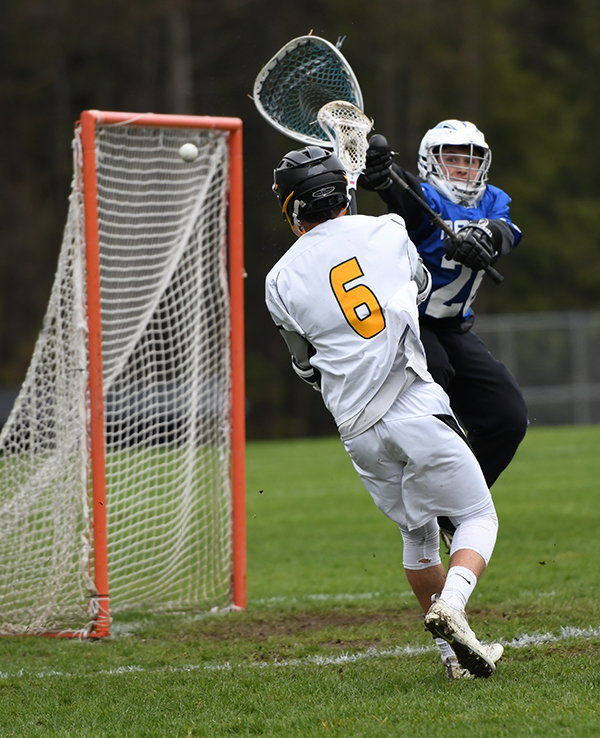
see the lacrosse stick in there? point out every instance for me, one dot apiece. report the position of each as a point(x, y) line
point(293, 86)
point(303, 77)
point(347, 127)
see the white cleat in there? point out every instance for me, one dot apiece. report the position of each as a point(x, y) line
point(455, 671)
point(495, 650)
point(444, 621)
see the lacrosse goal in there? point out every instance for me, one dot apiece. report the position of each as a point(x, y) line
point(122, 462)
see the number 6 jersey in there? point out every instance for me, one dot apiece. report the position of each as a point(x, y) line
point(347, 288)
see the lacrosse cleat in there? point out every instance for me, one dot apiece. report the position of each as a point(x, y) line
point(495, 650)
point(455, 671)
point(444, 621)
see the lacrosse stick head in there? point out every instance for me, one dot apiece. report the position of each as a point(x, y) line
point(304, 75)
point(347, 127)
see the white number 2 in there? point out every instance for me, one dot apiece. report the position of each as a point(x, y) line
point(441, 303)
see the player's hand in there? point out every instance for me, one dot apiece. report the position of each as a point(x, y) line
point(473, 247)
point(379, 163)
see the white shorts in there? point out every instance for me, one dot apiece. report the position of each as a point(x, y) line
point(416, 467)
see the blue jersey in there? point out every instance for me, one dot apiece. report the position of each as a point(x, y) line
point(454, 286)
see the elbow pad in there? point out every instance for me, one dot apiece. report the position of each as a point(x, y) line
point(301, 351)
point(423, 280)
point(309, 375)
point(503, 237)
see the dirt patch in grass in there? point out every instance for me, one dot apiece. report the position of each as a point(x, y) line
point(259, 629)
point(335, 630)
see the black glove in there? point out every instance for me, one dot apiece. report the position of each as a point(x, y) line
point(379, 162)
point(473, 246)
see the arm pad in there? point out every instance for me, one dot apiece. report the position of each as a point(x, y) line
point(423, 279)
point(301, 351)
point(503, 237)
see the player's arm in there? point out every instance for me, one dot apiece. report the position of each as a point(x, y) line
point(301, 351)
point(506, 235)
point(376, 177)
point(398, 201)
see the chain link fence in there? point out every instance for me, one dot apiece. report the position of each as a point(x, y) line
point(555, 357)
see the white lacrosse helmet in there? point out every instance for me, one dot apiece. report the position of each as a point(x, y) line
point(465, 192)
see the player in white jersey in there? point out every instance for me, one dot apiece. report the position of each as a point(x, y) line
point(453, 165)
point(345, 297)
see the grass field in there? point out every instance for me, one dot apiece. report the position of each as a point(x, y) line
point(332, 643)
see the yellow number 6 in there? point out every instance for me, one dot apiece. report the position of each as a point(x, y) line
point(351, 299)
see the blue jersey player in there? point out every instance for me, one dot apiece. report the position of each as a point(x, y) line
point(453, 165)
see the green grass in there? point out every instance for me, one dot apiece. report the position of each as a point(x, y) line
point(332, 643)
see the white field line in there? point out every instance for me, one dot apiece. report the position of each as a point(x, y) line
point(341, 597)
point(522, 641)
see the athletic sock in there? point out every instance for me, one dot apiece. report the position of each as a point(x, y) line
point(459, 586)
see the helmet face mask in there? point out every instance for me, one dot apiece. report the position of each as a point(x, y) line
point(466, 141)
point(307, 181)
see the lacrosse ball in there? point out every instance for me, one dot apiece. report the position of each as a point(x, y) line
point(188, 152)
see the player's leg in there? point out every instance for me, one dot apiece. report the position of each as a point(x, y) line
point(427, 578)
point(438, 363)
point(382, 473)
point(473, 544)
point(472, 548)
point(487, 400)
point(471, 553)
point(442, 371)
point(422, 563)
point(442, 474)
point(416, 468)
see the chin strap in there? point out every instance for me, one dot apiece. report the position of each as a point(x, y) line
point(295, 222)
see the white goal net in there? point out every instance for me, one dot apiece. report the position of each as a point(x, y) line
point(166, 385)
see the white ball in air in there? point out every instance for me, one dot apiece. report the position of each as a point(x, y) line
point(188, 152)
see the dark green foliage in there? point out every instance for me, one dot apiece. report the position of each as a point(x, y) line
point(524, 70)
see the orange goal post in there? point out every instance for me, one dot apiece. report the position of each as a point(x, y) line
point(122, 482)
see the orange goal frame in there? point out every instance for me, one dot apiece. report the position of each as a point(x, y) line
point(89, 121)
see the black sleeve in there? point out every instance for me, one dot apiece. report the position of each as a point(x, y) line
point(399, 202)
point(301, 351)
point(503, 237)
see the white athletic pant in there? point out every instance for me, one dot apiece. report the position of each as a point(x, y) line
point(417, 469)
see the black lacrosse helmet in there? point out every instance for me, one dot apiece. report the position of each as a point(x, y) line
point(309, 180)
